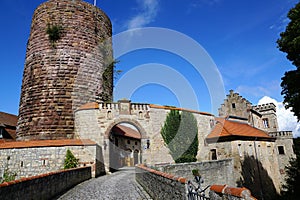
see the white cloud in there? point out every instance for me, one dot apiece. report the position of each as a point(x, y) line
point(286, 119)
point(149, 9)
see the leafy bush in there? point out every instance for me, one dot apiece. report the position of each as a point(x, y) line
point(54, 33)
point(195, 172)
point(185, 159)
point(70, 161)
point(8, 176)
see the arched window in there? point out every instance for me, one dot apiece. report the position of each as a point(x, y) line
point(109, 115)
point(213, 154)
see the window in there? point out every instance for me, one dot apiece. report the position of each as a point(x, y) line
point(233, 105)
point(128, 141)
point(140, 115)
point(213, 153)
point(22, 164)
point(109, 115)
point(281, 150)
point(1, 136)
point(240, 150)
point(44, 162)
point(136, 142)
point(148, 144)
point(266, 123)
point(211, 123)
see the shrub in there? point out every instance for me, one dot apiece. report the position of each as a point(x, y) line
point(185, 159)
point(70, 161)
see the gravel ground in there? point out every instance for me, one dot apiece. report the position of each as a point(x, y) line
point(118, 185)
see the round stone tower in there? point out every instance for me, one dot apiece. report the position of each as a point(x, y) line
point(68, 63)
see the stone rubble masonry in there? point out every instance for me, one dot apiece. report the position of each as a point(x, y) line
point(38, 157)
point(62, 75)
point(44, 186)
point(211, 171)
point(161, 185)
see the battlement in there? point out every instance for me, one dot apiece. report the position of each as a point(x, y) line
point(109, 106)
point(265, 107)
point(115, 106)
point(281, 134)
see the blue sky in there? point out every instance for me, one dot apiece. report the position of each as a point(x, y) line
point(239, 35)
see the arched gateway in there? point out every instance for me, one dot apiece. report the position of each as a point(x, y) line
point(129, 133)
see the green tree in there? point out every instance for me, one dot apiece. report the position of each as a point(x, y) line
point(180, 133)
point(291, 188)
point(171, 126)
point(289, 43)
point(70, 160)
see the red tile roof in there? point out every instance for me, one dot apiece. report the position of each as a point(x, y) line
point(46, 143)
point(8, 119)
point(126, 132)
point(236, 130)
point(88, 106)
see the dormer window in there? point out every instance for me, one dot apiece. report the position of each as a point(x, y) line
point(1, 136)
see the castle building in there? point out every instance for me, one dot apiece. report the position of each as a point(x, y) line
point(250, 135)
point(66, 104)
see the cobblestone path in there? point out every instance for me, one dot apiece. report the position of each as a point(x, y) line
point(119, 185)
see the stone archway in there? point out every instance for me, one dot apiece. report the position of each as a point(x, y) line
point(125, 144)
point(133, 122)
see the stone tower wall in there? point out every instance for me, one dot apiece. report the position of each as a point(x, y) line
point(63, 74)
point(268, 111)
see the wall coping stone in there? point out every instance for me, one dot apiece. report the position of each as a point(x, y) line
point(163, 174)
point(46, 143)
point(5, 184)
point(232, 191)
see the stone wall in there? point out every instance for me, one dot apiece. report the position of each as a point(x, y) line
point(45, 186)
point(160, 185)
point(268, 112)
point(59, 76)
point(213, 172)
point(284, 140)
point(28, 160)
point(165, 185)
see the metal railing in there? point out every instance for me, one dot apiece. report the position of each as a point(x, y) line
point(196, 193)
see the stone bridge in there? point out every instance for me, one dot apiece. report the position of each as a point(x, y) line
point(97, 121)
